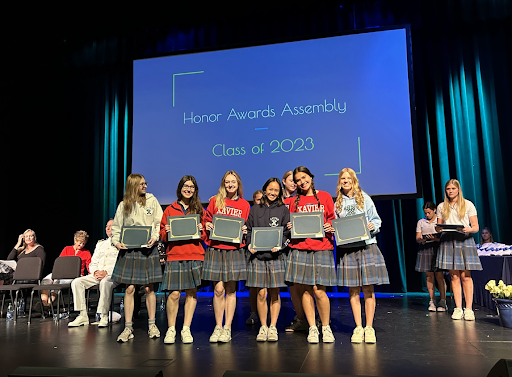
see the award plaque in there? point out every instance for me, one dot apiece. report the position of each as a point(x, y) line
point(134, 237)
point(307, 224)
point(266, 238)
point(183, 228)
point(351, 229)
point(227, 229)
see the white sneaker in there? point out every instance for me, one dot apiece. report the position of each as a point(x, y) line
point(357, 335)
point(170, 335)
point(225, 337)
point(79, 321)
point(186, 336)
point(103, 321)
point(469, 315)
point(126, 335)
point(153, 332)
point(217, 332)
point(272, 334)
point(457, 313)
point(262, 335)
point(327, 335)
point(441, 306)
point(313, 335)
point(369, 335)
point(432, 306)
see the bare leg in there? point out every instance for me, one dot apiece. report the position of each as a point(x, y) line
point(173, 303)
point(275, 305)
point(150, 301)
point(296, 296)
point(219, 302)
point(230, 302)
point(323, 304)
point(430, 285)
point(128, 303)
point(253, 298)
point(369, 304)
point(441, 285)
point(456, 288)
point(190, 306)
point(262, 306)
point(355, 304)
point(467, 285)
point(308, 304)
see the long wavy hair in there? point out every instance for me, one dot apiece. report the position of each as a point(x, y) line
point(461, 203)
point(131, 193)
point(194, 206)
point(220, 198)
point(303, 169)
point(23, 245)
point(264, 199)
point(358, 192)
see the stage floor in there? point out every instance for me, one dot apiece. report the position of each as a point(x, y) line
point(410, 342)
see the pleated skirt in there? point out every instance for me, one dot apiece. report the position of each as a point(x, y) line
point(457, 252)
point(311, 267)
point(426, 258)
point(266, 274)
point(138, 266)
point(358, 266)
point(181, 275)
point(224, 265)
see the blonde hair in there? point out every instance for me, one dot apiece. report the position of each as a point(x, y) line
point(131, 193)
point(220, 198)
point(23, 244)
point(461, 203)
point(358, 192)
point(81, 235)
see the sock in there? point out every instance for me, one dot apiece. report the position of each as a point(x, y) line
point(128, 325)
point(151, 322)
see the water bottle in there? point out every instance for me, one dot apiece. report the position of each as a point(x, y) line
point(21, 307)
point(121, 306)
point(162, 304)
point(10, 312)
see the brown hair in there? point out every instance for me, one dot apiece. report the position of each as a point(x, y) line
point(303, 169)
point(195, 206)
point(131, 193)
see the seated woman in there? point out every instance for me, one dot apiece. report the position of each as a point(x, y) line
point(77, 249)
point(489, 247)
point(26, 247)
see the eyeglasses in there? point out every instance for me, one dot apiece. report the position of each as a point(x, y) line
point(144, 184)
point(191, 188)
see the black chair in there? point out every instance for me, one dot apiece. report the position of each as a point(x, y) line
point(63, 268)
point(27, 270)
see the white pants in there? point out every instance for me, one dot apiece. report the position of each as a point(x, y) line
point(79, 285)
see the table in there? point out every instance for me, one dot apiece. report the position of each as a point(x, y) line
point(497, 268)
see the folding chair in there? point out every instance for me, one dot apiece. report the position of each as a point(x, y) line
point(27, 269)
point(63, 268)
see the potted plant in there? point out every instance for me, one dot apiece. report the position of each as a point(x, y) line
point(502, 295)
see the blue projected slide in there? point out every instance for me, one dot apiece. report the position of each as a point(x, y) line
point(326, 104)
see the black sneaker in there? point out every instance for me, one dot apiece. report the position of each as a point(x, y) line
point(297, 325)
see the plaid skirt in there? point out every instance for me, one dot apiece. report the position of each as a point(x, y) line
point(311, 267)
point(266, 274)
point(224, 265)
point(426, 259)
point(181, 275)
point(358, 266)
point(457, 252)
point(136, 266)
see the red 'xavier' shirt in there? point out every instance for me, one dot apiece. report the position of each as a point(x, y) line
point(309, 204)
point(234, 208)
